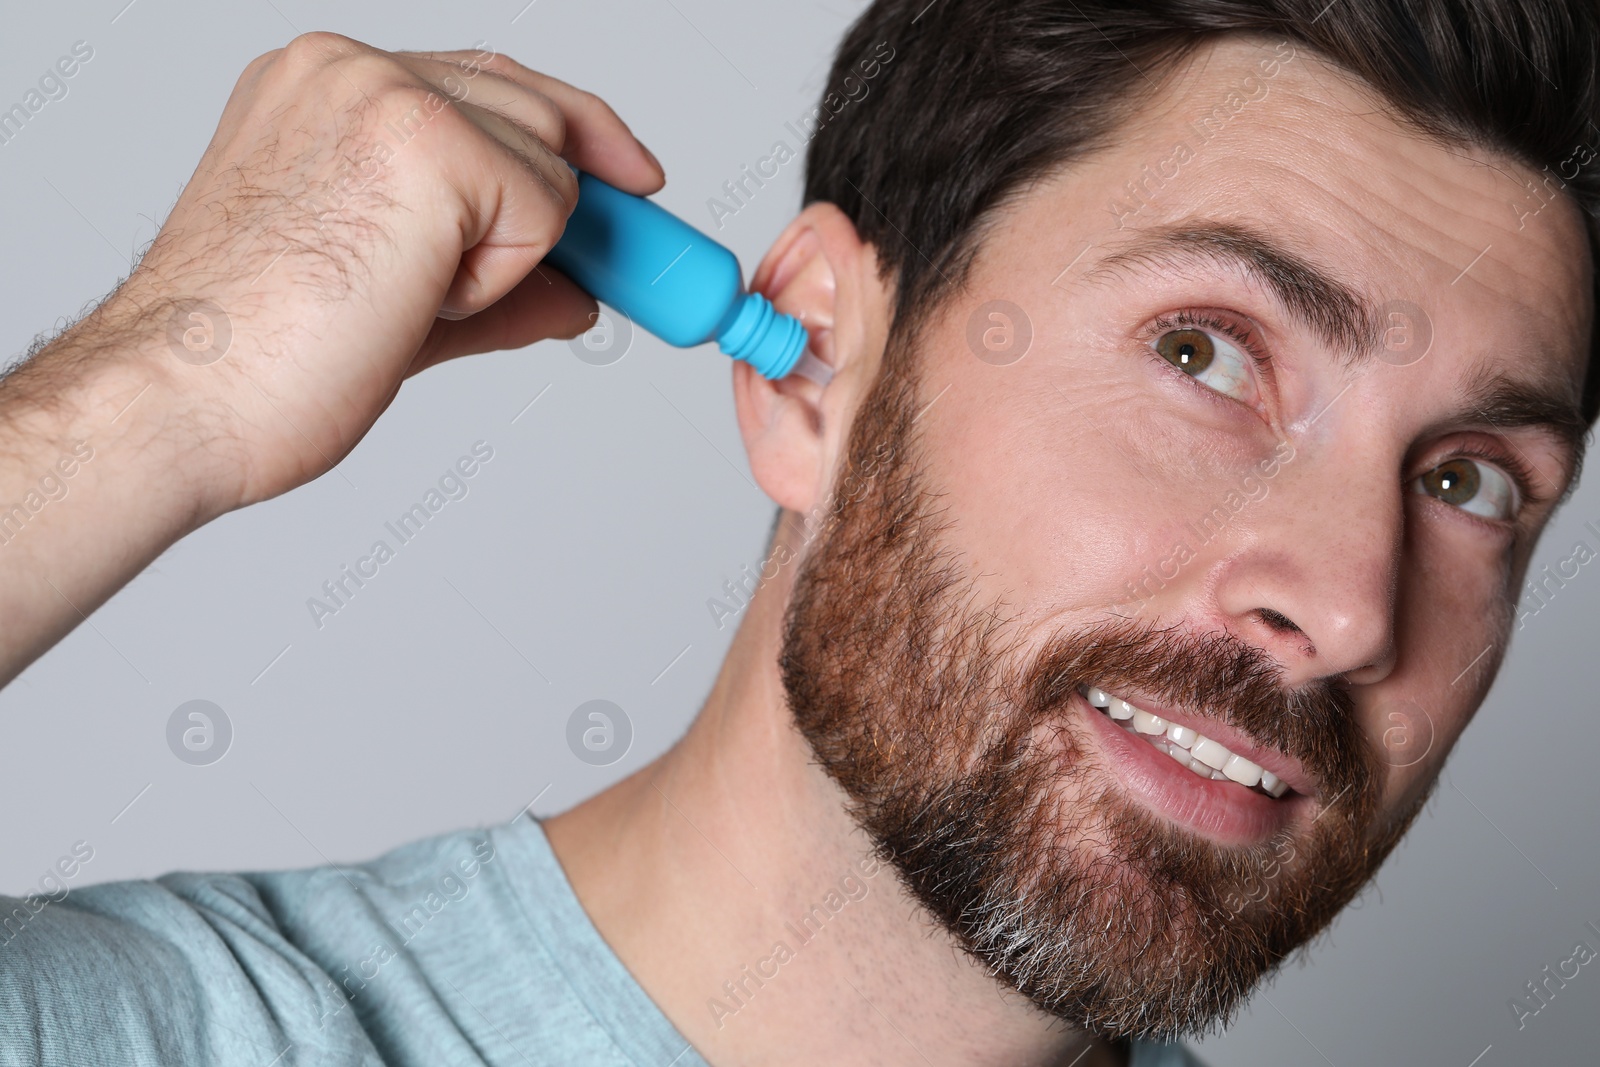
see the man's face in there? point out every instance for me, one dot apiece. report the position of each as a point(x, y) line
point(1271, 468)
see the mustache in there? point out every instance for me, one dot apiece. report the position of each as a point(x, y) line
point(1215, 675)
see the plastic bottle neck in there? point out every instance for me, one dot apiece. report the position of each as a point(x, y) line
point(762, 336)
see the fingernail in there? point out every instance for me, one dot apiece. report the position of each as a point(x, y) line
point(652, 157)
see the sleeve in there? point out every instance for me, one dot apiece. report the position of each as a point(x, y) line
point(190, 969)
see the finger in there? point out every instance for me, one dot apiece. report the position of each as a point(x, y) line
point(544, 304)
point(596, 140)
point(531, 128)
point(494, 92)
point(524, 120)
point(502, 255)
point(528, 144)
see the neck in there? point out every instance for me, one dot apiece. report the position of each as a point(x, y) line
point(732, 883)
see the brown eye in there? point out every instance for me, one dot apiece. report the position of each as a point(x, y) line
point(1479, 488)
point(1455, 482)
point(1191, 351)
point(1210, 361)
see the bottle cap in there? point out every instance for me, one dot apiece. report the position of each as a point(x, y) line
point(764, 337)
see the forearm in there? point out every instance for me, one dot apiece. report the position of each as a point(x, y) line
point(328, 257)
point(103, 466)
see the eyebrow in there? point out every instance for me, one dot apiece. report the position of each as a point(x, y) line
point(1503, 403)
point(1330, 309)
point(1345, 320)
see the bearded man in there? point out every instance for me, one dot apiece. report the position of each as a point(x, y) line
point(1202, 382)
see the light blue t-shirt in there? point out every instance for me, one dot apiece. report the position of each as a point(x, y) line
point(464, 949)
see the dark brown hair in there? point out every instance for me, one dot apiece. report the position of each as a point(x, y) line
point(982, 97)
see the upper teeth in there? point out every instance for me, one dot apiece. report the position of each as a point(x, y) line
point(1199, 753)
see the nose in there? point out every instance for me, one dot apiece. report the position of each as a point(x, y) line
point(1314, 581)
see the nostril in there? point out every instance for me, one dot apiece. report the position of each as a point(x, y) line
point(1278, 621)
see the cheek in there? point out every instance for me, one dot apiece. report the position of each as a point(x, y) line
point(1451, 631)
point(1063, 474)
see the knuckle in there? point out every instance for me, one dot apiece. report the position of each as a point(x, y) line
point(504, 88)
point(535, 117)
point(374, 71)
point(548, 231)
point(318, 48)
point(602, 109)
point(598, 108)
point(546, 223)
point(409, 108)
point(500, 77)
point(564, 184)
point(553, 131)
point(260, 63)
point(500, 64)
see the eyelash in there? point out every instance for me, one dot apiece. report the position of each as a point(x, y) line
point(1517, 468)
point(1190, 318)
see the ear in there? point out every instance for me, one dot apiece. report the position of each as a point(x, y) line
point(819, 271)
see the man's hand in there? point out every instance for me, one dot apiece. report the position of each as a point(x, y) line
point(361, 215)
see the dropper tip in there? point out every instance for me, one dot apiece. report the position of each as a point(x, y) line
point(813, 369)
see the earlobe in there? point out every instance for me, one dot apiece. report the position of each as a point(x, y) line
point(814, 271)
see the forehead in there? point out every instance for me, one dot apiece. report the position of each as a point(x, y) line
point(1263, 134)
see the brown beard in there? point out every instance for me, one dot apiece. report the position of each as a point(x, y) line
point(964, 763)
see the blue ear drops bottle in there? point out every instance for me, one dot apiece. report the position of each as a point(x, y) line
point(673, 280)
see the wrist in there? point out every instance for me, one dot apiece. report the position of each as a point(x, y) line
point(105, 462)
point(112, 384)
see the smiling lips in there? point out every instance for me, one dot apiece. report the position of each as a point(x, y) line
point(1202, 755)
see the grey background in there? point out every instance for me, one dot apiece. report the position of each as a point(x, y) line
point(579, 565)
